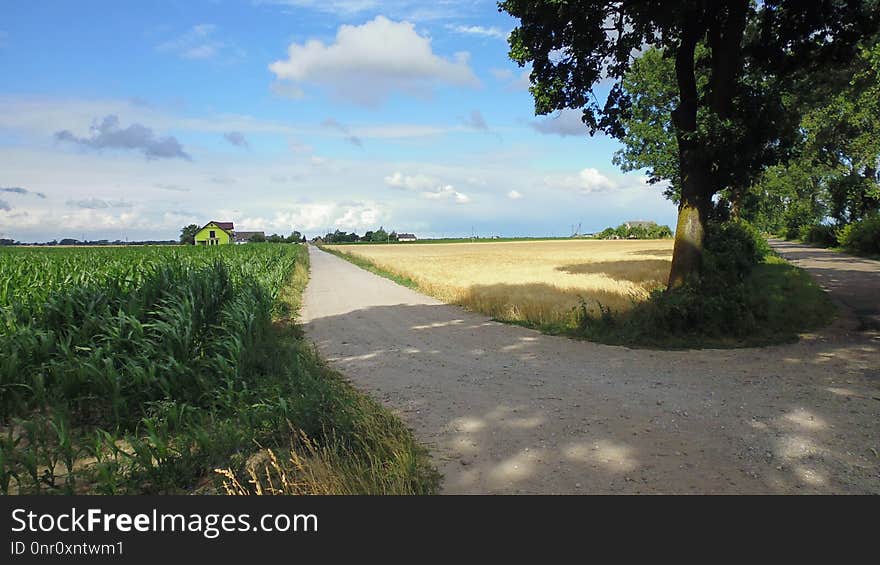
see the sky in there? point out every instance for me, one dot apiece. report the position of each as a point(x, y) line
point(128, 120)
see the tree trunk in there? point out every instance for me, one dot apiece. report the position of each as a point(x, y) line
point(724, 23)
point(695, 190)
point(693, 212)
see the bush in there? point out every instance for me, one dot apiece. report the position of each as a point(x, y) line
point(818, 234)
point(718, 305)
point(731, 250)
point(862, 236)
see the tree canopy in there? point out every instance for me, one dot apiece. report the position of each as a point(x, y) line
point(731, 61)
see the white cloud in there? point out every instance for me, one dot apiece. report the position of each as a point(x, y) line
point(480, 31)
point(429, 187)
point(366, 64)
point(447, 192)
point(319, 216)
point(410, 10)
point(567, 123)
point(337, 7)
point(196, 43)
point(416, 182)
point(514, 195)
point(586, 181)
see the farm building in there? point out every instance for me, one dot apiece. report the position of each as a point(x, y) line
point(246, 236)
point(215, 233)
point(640, 224)
point(406, 237)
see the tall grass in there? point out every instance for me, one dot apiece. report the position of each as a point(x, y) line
point(142, 370)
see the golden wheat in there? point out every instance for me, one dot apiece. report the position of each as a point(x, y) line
point(540, 282)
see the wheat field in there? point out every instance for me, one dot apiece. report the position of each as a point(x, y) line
point(539, 282)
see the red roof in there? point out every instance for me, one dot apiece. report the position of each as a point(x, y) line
point(227, 226)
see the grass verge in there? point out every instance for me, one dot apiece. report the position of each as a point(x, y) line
point(342, 442)
point(368, 265)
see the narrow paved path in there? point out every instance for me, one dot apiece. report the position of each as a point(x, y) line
point(508, 410)
point(854, 282)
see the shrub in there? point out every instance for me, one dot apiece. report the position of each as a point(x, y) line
point(718, 305)
point(818, 234)
point(862, 236)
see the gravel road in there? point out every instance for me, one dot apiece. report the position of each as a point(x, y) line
point(504, 409)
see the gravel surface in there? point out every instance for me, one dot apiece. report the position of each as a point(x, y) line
point(504, 409)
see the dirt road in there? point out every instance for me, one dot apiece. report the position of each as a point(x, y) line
point(853, 282)
point(509, 410)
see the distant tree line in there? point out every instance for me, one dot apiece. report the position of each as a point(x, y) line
point(97, 242)
point(294, 237)
point(624, 231)
point(378, 236)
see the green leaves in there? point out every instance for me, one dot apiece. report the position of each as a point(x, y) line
point(143, 346)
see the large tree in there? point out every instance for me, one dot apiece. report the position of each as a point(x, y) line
point(188, 234)
point(574, 45)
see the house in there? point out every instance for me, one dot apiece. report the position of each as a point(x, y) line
point(241, 237)
point(406, 237)
point(216, 233)
point(640, 224)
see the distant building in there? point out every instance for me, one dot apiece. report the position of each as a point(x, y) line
point(640, 224)
point(215, 233)
point(242, 237)
point(406, 237)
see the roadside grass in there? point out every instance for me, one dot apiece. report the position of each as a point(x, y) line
point(453, 240)
point(786, 299)
point(343, 442)
point(368, 265)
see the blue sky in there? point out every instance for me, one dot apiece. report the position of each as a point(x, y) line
point(132, 119)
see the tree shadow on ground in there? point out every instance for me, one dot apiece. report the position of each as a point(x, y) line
point(660, 253)
point(543, 304)
point(508, 410)
point(641, 272)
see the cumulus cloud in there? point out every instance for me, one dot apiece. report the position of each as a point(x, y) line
point(429, 187)
point(476, 121)
point(447, 192)
point(368, 63)
point(514, 195)
point(319, 216)
point(236, 138)
point(98, 204)
point(196, 43)
point(107, 134)
point(479, 31)
point(567, 123)
point(415, 182)
point(586, 181)
point(22, 191)
point(5, 206)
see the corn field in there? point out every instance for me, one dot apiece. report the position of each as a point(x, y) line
point(137, 369)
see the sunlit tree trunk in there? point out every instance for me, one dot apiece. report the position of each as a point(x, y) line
point(723, 28)
point(695, 190)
